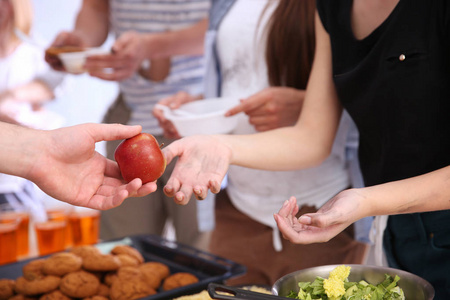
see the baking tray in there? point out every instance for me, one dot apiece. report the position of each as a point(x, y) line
point(180, 258)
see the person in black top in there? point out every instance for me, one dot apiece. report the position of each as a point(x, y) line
point(387, 63)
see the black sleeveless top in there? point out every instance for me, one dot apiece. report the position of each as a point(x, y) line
point(395, 83)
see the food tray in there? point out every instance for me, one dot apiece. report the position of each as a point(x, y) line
point(180, 258)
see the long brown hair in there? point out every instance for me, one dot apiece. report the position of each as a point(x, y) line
point(290, 43)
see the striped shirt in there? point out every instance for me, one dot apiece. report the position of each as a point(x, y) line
point(187, 72)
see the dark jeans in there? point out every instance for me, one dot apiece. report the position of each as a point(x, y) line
point(420, 244)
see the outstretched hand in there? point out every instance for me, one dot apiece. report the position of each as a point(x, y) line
point(69, 169)
point(331, 219)
point(202, 164)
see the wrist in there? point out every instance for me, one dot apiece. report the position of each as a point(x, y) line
point(155, 45)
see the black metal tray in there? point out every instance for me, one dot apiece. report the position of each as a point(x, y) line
point(180, 258)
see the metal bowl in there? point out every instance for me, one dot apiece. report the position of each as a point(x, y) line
point(414, 287)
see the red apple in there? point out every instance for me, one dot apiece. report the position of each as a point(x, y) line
point(140, 157)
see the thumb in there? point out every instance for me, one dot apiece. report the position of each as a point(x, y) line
point(111, 132)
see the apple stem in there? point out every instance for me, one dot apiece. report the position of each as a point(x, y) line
point(160, 146)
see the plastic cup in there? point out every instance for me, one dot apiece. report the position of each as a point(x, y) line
point(8, 240)
point(10, 214)
point(84, 224)
point(51, 236)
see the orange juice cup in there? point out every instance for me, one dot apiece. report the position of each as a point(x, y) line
point(22, 232)
point(51, 236)
point(62, 215)
point(85, 227)
point(8, 241)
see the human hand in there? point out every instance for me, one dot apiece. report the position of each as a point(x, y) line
point(69, 169)
point(65, 38)
point(173, 102)
point(201, 166)
point(128, 52)
point(332, 218)
point(271, 108)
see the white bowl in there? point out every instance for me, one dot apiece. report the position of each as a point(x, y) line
point(205, 116)
point(73, 62)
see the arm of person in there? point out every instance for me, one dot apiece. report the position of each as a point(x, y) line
point(204, 160)
point(34, 92)
point(428, 192)
point(132, 48)
point(65, 165)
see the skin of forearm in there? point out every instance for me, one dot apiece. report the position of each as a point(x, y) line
point(92, 22)
point(189, 41)
point(428, 192)
point(20, 149)
point(33, 92)
point(275, 150)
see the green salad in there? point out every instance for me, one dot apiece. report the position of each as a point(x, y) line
point(337, 287)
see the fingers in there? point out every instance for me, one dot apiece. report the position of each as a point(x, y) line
point(111, 132)
point(246, 105)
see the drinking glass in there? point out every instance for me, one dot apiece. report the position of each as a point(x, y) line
point(51, 236)
point(8, 240)
point(11, 213)
point(84, 224)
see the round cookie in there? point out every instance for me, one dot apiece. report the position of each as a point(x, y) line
point(6, 288)
point(103, 290)
point(160, 269)
point(85, 250)
point(33, 269)
point(96, 297)
point(38, 286)
point(101, 262)
point(55, 295)
point(127, 260)
point(125, 249)
point(60, 264)
point(130, 284)
point(109, 278)
point(79, 284)
point(178, 280)
point(22, 297)
point(152, 278)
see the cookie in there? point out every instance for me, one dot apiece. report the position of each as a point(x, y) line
point(130, 284)
point(101, 262)
point(6, 288)
point(60, 264)
point(22, 297)
point(127, 260)
point(96, 297)
point(152, 278)
point(103, 290)
point(85, 250)
point(178, 280)
point(38, 286)
point(33, 269)
point(55, 295)
point(125, 249)
point(79, 284)
point(160, 269)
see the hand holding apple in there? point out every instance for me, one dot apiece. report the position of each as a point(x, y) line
point(140, 157)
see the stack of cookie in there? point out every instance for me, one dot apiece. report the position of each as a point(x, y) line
point(85, 273)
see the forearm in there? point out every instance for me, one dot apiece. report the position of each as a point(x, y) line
point(92, 23)
point(283, 149)
point(34, 92)
point(188, 41)
point(428, 192)
point(19, 149)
